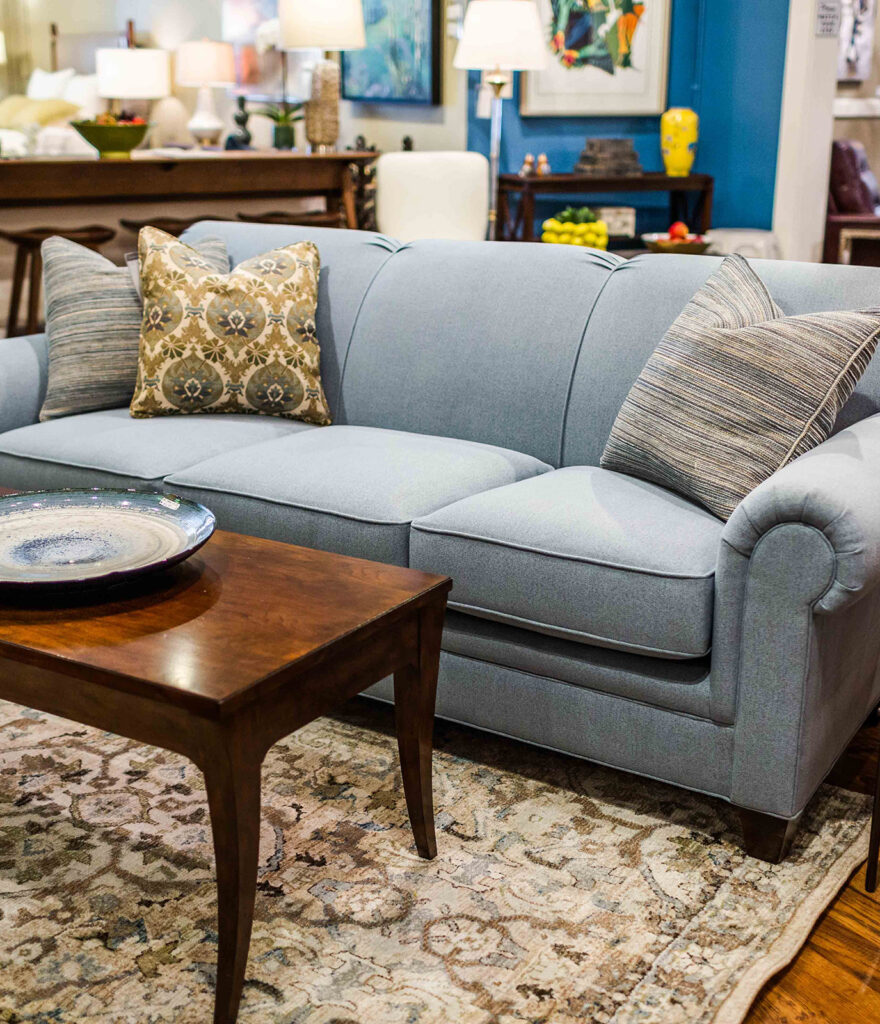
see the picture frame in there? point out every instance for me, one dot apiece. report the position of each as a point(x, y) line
point(610, 58)
point(402, 61)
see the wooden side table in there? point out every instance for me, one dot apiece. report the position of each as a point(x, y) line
point(518, 225)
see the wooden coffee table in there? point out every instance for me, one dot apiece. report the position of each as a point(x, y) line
point(221, 657)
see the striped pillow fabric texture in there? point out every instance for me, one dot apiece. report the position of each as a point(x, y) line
point(736, 389)
point(93, 322)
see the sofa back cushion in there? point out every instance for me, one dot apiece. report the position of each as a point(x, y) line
point(642, 299)
point(349, 262)
point(474, 340)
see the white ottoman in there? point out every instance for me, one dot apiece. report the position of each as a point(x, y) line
point(750, 242)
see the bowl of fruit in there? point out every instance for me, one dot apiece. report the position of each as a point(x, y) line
point(576, 226)
point(114, 136)
point(677, 239)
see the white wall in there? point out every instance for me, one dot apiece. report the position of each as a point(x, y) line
point(806, 131)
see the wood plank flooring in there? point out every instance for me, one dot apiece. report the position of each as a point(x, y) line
point(835, 979)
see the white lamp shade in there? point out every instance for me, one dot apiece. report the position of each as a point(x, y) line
point(2, 48)
point(204, 62)
point(322, 24)
point(503, 35)
point(133, 74)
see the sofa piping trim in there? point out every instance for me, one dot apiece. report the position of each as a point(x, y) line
point(497, 542)
point(563, 632)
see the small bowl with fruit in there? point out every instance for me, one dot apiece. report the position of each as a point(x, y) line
point(677, 239)
point(576, 227)
point(114, 136)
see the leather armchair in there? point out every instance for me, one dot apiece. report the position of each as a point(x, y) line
point(853, 199)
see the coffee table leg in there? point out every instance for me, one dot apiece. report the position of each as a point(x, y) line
point(233, 783)
point(415, 690)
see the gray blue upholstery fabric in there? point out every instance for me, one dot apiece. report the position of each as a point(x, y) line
point(348, 489)
point(109, 448)
point(24, 372)
point(93, 321)
point(677, 685)
point(584, 554)
point(457, 342)
point(651, 741)
point(349, 262)
point(644, 296)
point(736, 390)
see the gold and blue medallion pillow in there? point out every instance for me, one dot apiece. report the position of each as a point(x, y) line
point(238, 342)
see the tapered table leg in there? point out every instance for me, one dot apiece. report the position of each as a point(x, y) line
point(415, 691)
point(874, 844)
point(232, 779)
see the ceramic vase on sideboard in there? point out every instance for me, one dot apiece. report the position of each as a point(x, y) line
point(679, 131)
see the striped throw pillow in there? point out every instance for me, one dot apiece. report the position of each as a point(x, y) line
point(736, 389)
point(93, 321)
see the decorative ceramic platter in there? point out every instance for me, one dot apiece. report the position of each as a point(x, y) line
point(81, 538)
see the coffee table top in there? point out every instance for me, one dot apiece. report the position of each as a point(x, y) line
point(220, 625)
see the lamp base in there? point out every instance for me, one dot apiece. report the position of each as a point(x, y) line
point(322, 109)
point(205, 126)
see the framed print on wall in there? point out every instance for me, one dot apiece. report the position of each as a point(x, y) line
point(605, 57)
point(401, 62)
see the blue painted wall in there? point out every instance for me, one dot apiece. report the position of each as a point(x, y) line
point(726, 61)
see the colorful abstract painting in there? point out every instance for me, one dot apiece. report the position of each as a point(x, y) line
point(606, 57)
point(401, 62)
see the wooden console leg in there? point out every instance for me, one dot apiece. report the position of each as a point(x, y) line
point(874, 844)
point(415, 691)
point(232, 778)
point(767, 837)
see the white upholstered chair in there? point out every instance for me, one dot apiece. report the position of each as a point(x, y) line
point(432, 195)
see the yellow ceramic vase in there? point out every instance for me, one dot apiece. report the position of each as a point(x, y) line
point(679, 130)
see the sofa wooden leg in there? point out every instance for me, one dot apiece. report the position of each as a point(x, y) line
point(767, 837)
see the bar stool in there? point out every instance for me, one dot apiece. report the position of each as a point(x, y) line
point(170, 225)
point(306, 218)
point(27, 244)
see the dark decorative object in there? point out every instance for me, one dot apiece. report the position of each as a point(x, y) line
point(86, 538)
point(365, 187)
point(408, 145)
point(241, 137)
point(401, 62)
point(608, 156)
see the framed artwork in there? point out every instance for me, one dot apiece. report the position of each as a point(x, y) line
point(401, 62)
point(857, 18)
point(258, 66)
point(604, 57)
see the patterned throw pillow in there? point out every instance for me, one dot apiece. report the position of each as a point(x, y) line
point(93, 321)
point(239, 342)
point(736, 389)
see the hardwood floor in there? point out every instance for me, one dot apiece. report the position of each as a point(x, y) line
point(835, 978)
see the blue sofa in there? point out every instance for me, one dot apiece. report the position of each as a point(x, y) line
point(473, 386)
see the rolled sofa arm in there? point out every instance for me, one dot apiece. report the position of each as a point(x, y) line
point(24, 369)
point(835, 489)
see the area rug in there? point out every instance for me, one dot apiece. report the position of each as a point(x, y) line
point(563, 892)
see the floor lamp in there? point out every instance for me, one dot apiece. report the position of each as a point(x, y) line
point(500, 37)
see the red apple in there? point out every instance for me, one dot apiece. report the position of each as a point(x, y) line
point(679, 230)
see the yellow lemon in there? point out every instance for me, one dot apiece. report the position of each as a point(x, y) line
point(564, 238)
point(551, 224)
point(550, 236)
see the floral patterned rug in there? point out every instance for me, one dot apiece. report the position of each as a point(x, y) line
point(563, 892)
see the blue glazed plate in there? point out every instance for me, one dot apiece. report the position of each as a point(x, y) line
point(86, 538)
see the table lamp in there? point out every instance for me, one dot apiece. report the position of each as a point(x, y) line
point(205, 65)
point(132, 74)
point(307, 25)
point(500, 37)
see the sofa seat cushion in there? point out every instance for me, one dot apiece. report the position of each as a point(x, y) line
point(581, 553)
point(110, 449)
point(354, 490)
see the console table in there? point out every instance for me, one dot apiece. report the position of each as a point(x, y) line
point(65, 181)
point(519, 226)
